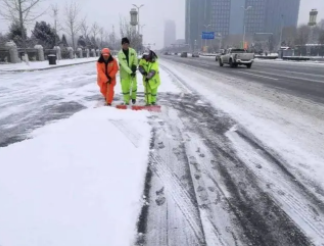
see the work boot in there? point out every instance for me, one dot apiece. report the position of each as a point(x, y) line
point(133, 101)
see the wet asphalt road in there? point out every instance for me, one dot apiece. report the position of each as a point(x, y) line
point(29, 100)
point(297, 78)
point(199, 191)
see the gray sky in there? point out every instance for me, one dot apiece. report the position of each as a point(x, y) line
point(107, 12)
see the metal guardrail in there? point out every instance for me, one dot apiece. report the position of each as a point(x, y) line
point(266, 57)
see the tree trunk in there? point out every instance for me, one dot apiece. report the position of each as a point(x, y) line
point(21, 20)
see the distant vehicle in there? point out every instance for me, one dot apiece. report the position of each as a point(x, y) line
point(235, 57)
point(195, 54)
point(221, 52)
point(184, 54)
point(166, 53)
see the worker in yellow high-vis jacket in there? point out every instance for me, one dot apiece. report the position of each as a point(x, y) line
point(149, 68)
point(128, 62)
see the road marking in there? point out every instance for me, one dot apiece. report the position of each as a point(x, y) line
point(260, 76)
point(307, 74)
point(291, 77)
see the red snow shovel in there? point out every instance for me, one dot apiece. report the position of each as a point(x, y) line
point(121, 106)
point(153, 108)
point(138, 107)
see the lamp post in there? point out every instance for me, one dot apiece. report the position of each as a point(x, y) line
point(244, 26)
point(138, 10)
point(312, 23)
point(134, 18)
point(281, 32)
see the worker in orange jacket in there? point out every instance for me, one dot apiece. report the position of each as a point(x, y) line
point(107, 68)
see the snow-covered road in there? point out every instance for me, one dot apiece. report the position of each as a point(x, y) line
point(226, 162)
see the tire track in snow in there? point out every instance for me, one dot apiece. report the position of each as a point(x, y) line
point(173, 218)
point(255, 214)
point(258, 214)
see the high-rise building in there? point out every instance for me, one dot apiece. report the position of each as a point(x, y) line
point(236, 17)
point(194, 21)
point(281, 13)
point(227, 17)
point(169, 33)
point(207, 15)
point(268, 16)
point(220, 16)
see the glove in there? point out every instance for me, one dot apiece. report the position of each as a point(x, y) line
point(133, 74)
point(144, 73)
point(147, 80)
point(134, 68)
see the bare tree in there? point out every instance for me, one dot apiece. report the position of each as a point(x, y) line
point(101, 36)
point(321, 24)
point(54, 15)
point(302, 36)
point(84, 27)
point(20, 12)
point(72, 15)
point(321, 37)
point(95, 30)
point(289, 35)
point(112, 38)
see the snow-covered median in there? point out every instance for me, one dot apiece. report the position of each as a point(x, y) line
point(41, 65)
point(77, 182)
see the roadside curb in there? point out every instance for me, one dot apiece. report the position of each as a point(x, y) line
point(44, 68)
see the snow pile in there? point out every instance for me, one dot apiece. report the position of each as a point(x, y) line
point(43, 64)
point(77, 182)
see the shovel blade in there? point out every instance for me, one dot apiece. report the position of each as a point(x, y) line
point(121, 106)
point(136, 107)
point(154, 108)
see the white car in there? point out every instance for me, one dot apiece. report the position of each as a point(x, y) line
point(195, 54)
point(235, 57)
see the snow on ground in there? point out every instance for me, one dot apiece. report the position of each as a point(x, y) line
point(43, 64)
point(77, 181)
point(289, 125)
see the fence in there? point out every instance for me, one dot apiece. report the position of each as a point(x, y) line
point(65, 54)
point(4, 55)
point(309, 50)
point(32, 54)
point(10, 53)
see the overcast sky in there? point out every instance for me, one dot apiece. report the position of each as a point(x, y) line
point(107, 13)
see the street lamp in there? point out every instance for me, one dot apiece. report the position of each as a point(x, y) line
point(138, 10)
point(134, 19)
point(281, 32)
point(244, 27)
